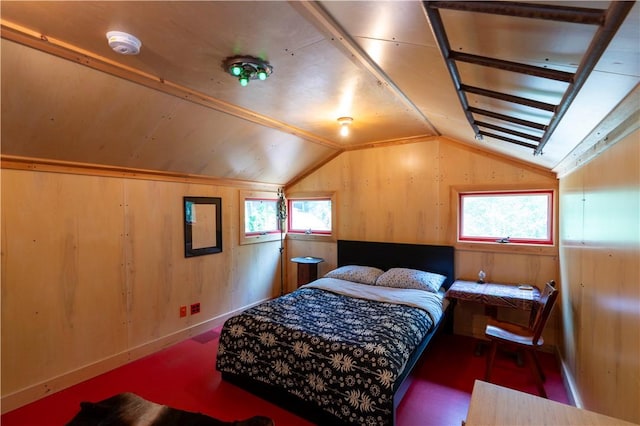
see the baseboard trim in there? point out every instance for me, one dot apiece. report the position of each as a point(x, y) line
point(569, 382)
point(48, 387)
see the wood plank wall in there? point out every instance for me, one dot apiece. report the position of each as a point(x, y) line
point(406, 193)
point(600, 269)
point(94, 273)
point(74, 244)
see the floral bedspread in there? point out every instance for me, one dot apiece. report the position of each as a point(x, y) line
point(341, 353)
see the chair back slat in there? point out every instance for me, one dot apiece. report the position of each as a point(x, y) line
point(543, 310)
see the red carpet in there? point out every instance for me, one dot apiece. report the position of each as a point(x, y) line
point(184, 376)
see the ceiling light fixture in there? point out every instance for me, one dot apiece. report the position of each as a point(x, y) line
point(345, 122)
point(123, 43)
point(246, 68)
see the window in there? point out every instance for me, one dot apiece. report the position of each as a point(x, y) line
point(311, 216)
point(258, 217)
point(521, 217)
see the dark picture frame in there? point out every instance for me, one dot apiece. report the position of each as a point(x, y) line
point(202, 225)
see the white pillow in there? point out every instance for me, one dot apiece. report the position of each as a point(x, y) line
point(411, 278)
point(356, 274)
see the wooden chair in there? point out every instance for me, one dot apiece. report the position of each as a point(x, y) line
point(528, 339)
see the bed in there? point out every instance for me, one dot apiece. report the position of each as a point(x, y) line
point(340, 350)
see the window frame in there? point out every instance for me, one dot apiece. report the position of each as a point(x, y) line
point(551, 217)
point(257, 237)
point(317, 236)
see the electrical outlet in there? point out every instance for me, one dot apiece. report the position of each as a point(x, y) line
point(183, 311)
point(195, 308)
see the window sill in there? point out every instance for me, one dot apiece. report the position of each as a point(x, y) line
point(255, 239)
point(540, 250)
point(311, 237)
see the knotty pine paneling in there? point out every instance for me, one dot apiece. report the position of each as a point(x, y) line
point(94, 274)
point(599, 252)
point(404, 193)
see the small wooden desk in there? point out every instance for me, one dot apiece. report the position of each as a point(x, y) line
point(307, 268)
point(495, 405)
point(493, 296)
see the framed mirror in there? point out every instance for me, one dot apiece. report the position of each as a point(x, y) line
point(202, 226)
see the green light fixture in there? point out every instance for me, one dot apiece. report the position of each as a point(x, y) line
point(247, 68)
point(236, 70)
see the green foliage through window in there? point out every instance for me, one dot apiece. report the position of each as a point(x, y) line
point(260, 216)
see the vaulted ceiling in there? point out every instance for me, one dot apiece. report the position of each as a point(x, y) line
point(405, 71)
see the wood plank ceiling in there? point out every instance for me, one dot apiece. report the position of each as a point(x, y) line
point(67, 96)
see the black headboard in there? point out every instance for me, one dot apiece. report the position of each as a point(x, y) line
point(438, 259)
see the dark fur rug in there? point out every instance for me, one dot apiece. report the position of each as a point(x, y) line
point(128, 409)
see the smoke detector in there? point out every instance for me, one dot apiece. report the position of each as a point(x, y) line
point(123, 43)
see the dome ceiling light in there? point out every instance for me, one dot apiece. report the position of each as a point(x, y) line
point(246, 68)
point(345, 122)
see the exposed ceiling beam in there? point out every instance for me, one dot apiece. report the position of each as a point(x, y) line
point(506, 139)
point(509, 131)
point(576, 15)
point(508, 118)
point(500, 64)
point(509, 98)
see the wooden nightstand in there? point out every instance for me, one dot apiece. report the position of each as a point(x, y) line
point(307, 268)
